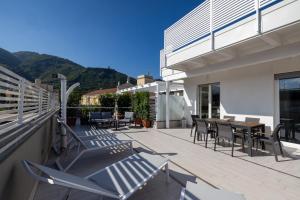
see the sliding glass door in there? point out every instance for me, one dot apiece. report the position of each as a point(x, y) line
point(289, 102)
point(209, 100)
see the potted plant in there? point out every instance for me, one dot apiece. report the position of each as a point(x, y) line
point(136, 108)
point(142, 108)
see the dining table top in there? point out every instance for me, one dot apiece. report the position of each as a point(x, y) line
point(240, 124)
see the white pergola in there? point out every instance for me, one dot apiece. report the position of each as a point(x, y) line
point(158, 87)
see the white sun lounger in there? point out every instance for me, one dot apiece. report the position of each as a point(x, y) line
point(118, 181)
point(84, 146)
point(91, 132)
point(197, 191)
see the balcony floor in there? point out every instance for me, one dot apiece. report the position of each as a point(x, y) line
point(258, 177)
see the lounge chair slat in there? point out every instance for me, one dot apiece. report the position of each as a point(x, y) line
point(132, 178)
point(90, 145)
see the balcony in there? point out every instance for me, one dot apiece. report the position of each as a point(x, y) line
point(215, 32)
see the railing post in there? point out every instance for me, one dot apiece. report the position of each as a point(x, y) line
point(258, 16)
point(49, 101)
point(211, 25)
point(40, 101)
point(21, 101)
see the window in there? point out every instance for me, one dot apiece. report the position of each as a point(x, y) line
point(209, 100)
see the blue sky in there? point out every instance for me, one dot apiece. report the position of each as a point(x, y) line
point(124, 34)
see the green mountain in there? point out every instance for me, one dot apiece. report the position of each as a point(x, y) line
point(32, 65)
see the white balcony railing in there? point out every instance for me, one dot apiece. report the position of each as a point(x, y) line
point(21, 100)
point(209, 18)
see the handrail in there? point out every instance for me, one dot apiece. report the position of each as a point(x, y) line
point(21, 100)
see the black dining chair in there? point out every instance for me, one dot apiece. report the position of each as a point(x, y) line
point(203, 128)
point(193, 123)
point(226, 131)
point(273, 140)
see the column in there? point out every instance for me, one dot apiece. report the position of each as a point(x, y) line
point(63, 97)
point(167, 104)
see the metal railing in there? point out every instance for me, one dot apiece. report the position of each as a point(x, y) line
point(210, 17)
point(22, 101)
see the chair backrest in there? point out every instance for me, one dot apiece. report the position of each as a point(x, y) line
point(53, 176)
point(194, 117)
point(201, 125)
point(128, 115)
point(224, 130)
point(252, 119)
point(276, 132)
point(231, 118)
point(106, 115)
point(95, 115)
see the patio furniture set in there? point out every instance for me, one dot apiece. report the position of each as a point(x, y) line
point(119, 180)
point(106, 119)
point(250, 131)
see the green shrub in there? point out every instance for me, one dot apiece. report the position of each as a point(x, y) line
point(141, 105)
point(124, 102)
point(107, 101)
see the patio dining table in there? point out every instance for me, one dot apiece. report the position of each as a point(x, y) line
point(248, 128)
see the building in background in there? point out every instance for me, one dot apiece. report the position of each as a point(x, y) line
point(143, 79)
point(92, 98)
point(124, 85)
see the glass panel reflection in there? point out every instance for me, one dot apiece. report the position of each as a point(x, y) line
point(215, 104)
point(290, 109)
point(203, 90)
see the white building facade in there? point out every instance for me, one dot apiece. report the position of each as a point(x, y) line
point(238, 58)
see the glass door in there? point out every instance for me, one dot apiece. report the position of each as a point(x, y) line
point(289, 102)
point(215, 100)
point(203, 99)
point(209, 100)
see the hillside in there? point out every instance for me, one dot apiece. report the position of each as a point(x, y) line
point(32, 65)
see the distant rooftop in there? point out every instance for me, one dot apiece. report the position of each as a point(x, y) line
point(102, 91)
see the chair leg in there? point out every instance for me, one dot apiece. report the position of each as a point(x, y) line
point(192, 131)
point(167, 173)
point(250, 146)
point(206, 140)
point(274, 150)
point(195, 135)
point(243, 144)
point(232, 148)
point(215, 146)
point(280, 148)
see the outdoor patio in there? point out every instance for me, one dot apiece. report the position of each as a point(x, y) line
point(257, 177)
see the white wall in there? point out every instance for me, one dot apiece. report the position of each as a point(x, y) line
point(245, 92)
point(176, 104)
